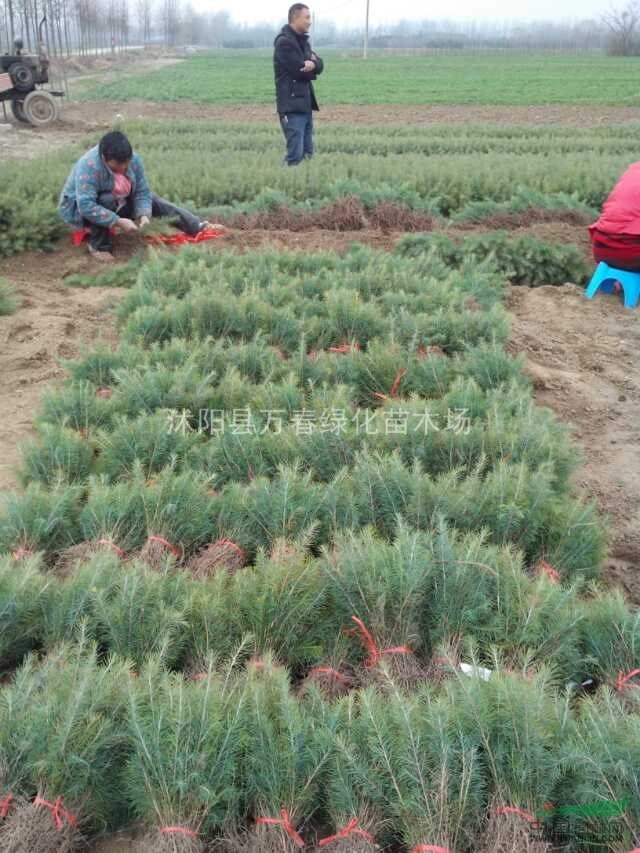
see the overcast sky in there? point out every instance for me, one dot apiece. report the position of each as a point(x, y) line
point(351, 12)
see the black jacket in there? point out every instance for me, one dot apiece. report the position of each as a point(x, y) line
point(294, 89)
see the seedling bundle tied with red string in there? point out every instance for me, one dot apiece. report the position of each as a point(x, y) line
point(62, 744)
point(183, 776)
point(287, 750)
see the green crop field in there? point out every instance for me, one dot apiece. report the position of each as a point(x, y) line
point(246, 77)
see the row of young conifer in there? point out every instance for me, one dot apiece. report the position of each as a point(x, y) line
point(287, 626)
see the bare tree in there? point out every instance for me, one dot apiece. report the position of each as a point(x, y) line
point(143, 14)
point(623, 23)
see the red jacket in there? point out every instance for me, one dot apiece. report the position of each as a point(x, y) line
point(621, 212)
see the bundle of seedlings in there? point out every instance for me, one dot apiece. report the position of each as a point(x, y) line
point(63, 727)
point(517, 723)
point(378, 590)
point(59, 454)
point(423, 776)
point(148, 440)
point(178, 513)
point(287, 752)
point(78, 407)
point(136, 612)
point(183, 776)
point(23, 595)
point(351, 793)
point(610, 645)
point(279, 605)
point(112, 520)
point(602, 761)
point(39, 519)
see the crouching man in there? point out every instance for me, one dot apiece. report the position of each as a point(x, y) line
point(107, 189)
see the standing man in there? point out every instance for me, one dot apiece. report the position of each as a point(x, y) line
point(295, 66)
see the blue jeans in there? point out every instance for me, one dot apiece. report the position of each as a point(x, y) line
point(298, 132)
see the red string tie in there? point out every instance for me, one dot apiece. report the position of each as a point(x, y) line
point(104, 392)
point(285, 823)
point(5, 805)
point(333, 673)
point(178, 830)
point(513, 810)
point(343, 349)
point(57, 812)
point(173, 548)
point(228, 543)
point(351, 828)
point(429, 848)
point(622, 679)
point(375, 652)
point(113, 547)
point(549, 571)
point(21, 553)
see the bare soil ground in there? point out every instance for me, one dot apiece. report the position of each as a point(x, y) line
point(582, 356)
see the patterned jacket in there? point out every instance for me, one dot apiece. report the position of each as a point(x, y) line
point(88, 179)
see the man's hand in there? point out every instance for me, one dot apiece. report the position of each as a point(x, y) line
point(127, 225)
point(143, 221)
point(308, 66)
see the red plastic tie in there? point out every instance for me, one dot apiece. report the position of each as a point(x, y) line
point(113, 546)
point(181, 239)
point(351, 828)
point(394, 388)
point(5, 805)
point(549, 571)
point(285, 823)
point(57, 812)
point(375, 653)
point(513, 810)
point(343, 349)
point(178, 830)
point(429, 848)
point(622, 679)
point(21, 553)
point(328, 670)
point(104, 392)
point(173, 548)
point(231, 544)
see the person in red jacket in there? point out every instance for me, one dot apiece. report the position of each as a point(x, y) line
point(615, 237)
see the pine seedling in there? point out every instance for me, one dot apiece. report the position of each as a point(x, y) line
point(601, 760)
point(422, 776)
point(23, 594)
point(287, 751)
point(183, 775)
point(142, 613)
point(147, 440)
point(79, 408)
point(518, 726)
point(177, 516)
point(59, 455)
point(610, 639)
point(39, 520)
point(63, 725)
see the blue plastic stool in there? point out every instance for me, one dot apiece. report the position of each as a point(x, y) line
point(605, 276)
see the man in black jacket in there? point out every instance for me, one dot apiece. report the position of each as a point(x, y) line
point(296, 65)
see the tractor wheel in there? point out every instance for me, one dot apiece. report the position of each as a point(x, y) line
point(22, 76)
point(17, 108)
point(40, 108)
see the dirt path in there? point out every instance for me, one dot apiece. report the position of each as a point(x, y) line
point(582, 355)
point(54, 322)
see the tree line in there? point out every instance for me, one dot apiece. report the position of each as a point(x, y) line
point(90, 26)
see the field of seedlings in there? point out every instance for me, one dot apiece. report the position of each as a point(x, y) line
point(451, 77)
point(296, 561)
